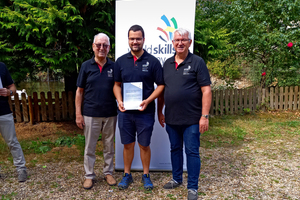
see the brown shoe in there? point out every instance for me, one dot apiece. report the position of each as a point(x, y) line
point(88, 184)
point(110, 180)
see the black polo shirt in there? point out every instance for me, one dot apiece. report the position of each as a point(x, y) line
point(99, 99)
point(6, 81)
point(183, 95)
point(146, 69)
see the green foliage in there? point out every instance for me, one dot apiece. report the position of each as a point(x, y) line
point(41, 147)
point(211, 37)
point(261, 31)
point(38, 34)
point(226, 69)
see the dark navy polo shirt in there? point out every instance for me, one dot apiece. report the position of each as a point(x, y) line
point(146, 69)
point(99, 99)
point(183, 95)
point(6, 81)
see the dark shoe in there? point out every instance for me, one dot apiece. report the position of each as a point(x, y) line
point(192, 194)
point(88, 184)
point(172, 184)
point(147, 182)
point(125, 182)
point(22, 175)
point(110, 180)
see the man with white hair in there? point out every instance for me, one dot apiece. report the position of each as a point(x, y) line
point(96, 109)
point(187, 97)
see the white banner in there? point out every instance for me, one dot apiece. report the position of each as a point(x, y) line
point(159, 19)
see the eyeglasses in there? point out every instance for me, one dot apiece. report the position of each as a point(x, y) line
point(136, 39)
point(101, 45)
point(183, 40)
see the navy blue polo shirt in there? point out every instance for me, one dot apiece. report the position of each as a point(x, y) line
point(6, 81)
point(183, 95)
point(146, 69)
point(99, 99)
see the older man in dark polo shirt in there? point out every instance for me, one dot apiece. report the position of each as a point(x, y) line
point(96, 109)
point(133, 67)
point(187, 97)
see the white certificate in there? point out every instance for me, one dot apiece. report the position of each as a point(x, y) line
point(132, 95)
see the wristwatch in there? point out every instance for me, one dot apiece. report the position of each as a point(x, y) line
point(11, 93)
point(206, 116)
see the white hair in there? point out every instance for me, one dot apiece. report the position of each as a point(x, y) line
point(182, 31)
point(101, 34)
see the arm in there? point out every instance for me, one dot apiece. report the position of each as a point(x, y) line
point(118, 94)
point(78, 102)
point(154, 95)
point(160, 105)
point(6, 91)
point(206, 102)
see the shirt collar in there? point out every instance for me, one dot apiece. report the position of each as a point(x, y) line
point(188, 59)
point(108, 61)
point(144, 56)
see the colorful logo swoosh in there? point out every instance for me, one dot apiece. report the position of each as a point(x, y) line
point(169, 29)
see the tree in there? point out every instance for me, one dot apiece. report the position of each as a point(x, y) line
point(261, 31)
point(38, 34)
point(212, 39)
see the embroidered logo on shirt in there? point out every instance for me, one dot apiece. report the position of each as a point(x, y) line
point(186, 71)
point(145, 67)
point(110, 73)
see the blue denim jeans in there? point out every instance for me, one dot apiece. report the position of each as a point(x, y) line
point(190, 135)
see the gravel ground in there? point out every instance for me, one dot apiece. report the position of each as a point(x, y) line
point(250, 171)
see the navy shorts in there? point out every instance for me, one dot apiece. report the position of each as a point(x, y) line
point(131, 125)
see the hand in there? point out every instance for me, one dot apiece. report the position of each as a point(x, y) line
point(203, 124)
point(121, 106)
point(4, 92)
point(80, 121)
point(143, 105)
point(161, 119)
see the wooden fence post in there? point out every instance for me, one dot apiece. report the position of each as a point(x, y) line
point(221, 102)
point(31, 114)
point(281, 103)
point(286, 98)
point(50, 106)
point(24, 108)
point(17, 108)
point(263, 99)
point(235, 101)
point(276, 98)
point(296, 99)
point(36, 108)
point(64, 105)
point(231, 101)
point(217, 106)
point(57, 107)
point(43, 107)
point(291, 95)
point(271, 98)
point(226, 102)
point(241, 106)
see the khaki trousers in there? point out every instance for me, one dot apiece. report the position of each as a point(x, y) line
point(92, 129)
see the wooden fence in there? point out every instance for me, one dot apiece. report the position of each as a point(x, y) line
point(235, 101)
point(224, 102)
point(44, 109)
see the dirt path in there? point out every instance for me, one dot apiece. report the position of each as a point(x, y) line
point(256, 170)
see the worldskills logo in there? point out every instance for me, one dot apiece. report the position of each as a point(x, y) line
point(169, 29)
